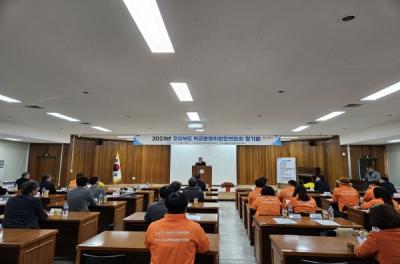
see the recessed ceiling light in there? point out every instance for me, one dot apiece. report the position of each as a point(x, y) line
point(9, 99)
point(181, 90)
point(348, 18)
point(193, 116)
point(259, 115)
point(128, 137)
point(289, 137)
point(389, 90)
point(148, 19)
point(85, 92)
point(13, 139)
point(330, 115)
point(393, 141)
point(68, 118)
point(195, 125)
point(300, 128)
point(200, 130)
point(102, 128)
point(281, 91)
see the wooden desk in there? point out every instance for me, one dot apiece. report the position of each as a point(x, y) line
point(244, 201)
point(211, 199)
point(111, 213)
point(132, 244)
point(148, 198)
point(204, 208)
point(318, 197)
point(358, 216)
point(27, 246)
point(237, 197)
point(207, 193)
point(291, 249)
point(240, 195)
point(135, 222)
point(265, 226)
point(156, 188)
point(134, 203)
point(250, 230)
point(53, 198)
point(326, 202)
point(72, 230)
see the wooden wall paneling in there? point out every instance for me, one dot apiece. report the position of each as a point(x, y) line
point(133, 164)
point(156, 164)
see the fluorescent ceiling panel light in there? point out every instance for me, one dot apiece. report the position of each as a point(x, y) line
point(181, 90)
point(300, 128)
point(389, 90)
point(101, 128)
point(200, 130)
point(193, 116)
point(289, 137)
point(148, 19)
point(9, 99)
point(68, 118)
point(393, 141)
point(195, 125)
point(330, 115)
point(13, 139)
point(127, 137)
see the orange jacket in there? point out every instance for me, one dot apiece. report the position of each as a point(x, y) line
point(345, 195)
point(373, 202)
point(302, 206)
point(382, 245)
point(175, 239)
point(286, 194)
point(253, 196)
point(267, 205)
point(369, 194)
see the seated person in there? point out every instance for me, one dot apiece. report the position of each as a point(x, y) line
point(72, 183)
point(3, 191)
point(192, 191)
point(25, 176)
point(309, 184)
point(286, 194)
point(301, 202)
point(45, 183)
point(94, 187)
point(267, 203)
point(175, 239)
point(369, 194)
point(200, 183)
point(25, 210)
point(321, 185)
point(384, 244)
point(345, 195)
point(260, 183)
point(157, 210)
point(381, 196)
point(80, 198)
point(175, 186)
point(388, 185)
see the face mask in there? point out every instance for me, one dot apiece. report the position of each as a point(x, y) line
point(375, 229)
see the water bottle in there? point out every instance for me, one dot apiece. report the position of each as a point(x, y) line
point(331, 214)
point(290, 209)
point(44, 192)
point(101, 198)
point(65, 209)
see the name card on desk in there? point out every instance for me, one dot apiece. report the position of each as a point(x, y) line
point(295, 216)
point(284, 221)
point(55, 212)
point(326, 194)
point(193, 217)
point(326, 222)
point(315, 216)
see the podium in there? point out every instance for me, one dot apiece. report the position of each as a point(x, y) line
point(205, 173)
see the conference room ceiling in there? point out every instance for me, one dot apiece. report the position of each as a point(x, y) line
point(235, 56)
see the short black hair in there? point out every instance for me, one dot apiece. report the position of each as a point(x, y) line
point(260, 182)
point(165, 191)
point(80, 174)
point(176, 203)
point(385, 178)
point(192, 182)
point(24, 174)
point(267, 190)
point(197, 176)
point(380, 192)
point(384, 216)
point(93, 180)
point(265, 179)
point(45, 177)
point(175, 186)
point(81, 181)
point(28, 187)
point(301, 191)
point(292, 183)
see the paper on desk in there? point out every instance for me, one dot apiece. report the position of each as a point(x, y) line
point(326, 222)
point(284, 221)
point(193, 217)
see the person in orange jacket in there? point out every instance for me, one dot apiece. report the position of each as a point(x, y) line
point(286, 194)
point(267, 203)
point(301, 202)
point(345, 195)
point(260, 182)
point(72, 183)
point(175, 239)
point(384, 244)
point(381, 196)
point(369, 194)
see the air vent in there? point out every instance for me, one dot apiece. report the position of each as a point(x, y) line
point(85, 123)
point(312, 123)
point(352, 105)
point(34, 107)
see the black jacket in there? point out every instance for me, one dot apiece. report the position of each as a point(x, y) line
point(322, 186)
point(193, 192)
point(201, 185)
point(23, 211)
point(49, 186)
point(19, 182)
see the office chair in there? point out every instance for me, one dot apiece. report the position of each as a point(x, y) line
point(109, 259)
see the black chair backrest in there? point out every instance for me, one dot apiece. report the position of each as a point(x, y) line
point(109, 259)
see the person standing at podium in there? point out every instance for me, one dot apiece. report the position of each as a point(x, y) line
point(200, 162)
